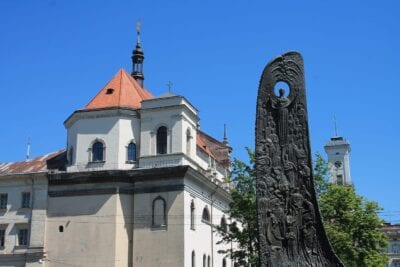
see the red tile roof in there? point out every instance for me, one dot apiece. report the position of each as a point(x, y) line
point(121, 91)
point(216, 149)
point(38, 164)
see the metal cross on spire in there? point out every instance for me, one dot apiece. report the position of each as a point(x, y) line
point(138, 29)
point(169, 85)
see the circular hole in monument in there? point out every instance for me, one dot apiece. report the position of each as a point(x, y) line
point(282, 88)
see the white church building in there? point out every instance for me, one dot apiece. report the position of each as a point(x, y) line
point(138, 184)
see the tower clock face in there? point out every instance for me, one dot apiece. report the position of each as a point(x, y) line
point(338, 164)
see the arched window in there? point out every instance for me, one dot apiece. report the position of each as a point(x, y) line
point(223, 225)
point(205, 217)
point(204, 260)
point(162, 140)
point(188, 142)
point(193, 259)
point(223, 263)
point(208, 261)
point(132, 151)
point(192, 212)
point(159, 215)
point(98, 151)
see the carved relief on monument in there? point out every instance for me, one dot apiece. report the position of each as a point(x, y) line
point(290, 227)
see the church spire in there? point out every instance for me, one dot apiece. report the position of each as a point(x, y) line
point(137, 58)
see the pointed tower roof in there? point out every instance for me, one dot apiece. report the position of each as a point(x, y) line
point(121, 91)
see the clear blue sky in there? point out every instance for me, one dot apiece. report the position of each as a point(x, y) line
point(55, 56)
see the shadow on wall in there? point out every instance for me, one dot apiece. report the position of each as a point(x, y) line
point(77, 205)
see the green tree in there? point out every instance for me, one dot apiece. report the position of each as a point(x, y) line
point(351, 222)
point(242, 210)
point(320, 174)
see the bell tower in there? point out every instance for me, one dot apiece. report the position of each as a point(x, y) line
point(138, 58)
point(338, 151)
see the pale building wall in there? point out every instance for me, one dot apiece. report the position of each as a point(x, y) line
point(158, 246)
point(15, 217)
point(206, 238)
point(123, 230)
point(214, 170)
point(89, 231)
point(115, 128)
point(339, 153)
point(173, 112)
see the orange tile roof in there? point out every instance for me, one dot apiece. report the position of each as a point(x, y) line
point(216, 149)
point(121, 91)
point(38, 164)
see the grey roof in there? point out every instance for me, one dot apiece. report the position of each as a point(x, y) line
point(337, 141)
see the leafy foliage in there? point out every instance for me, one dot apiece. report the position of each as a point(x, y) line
point(320, 174)
point(351, 222)
point(243, 227)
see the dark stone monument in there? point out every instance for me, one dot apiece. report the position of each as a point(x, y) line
point(289, 222)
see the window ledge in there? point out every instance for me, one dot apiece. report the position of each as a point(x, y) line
point(130, 161)
point(206, 222)
point(159, 227)
point(21, 247)
point(97, 161)
point(24, 209)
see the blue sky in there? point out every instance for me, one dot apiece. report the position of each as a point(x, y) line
point(55, 56)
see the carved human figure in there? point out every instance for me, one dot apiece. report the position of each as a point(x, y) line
point(274, 233)
point(282, 104)
point(291, 236)
point(305, 173)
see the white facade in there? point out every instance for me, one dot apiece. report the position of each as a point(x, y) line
point(135, 186)
point(22, 219)
point(115, 128)
point(338, 151)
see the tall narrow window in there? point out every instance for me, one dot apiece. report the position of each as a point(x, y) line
point(23, 237)
point(205, 217)
point(224, 226)
point(132, 152)
point(26, 200)
point(98, 151)
point(188, 142)
point(208, 261)
point(192, 212)
point(159, 214)
point(339, 179)
point(3, 201)
point(204, 260)
point(193, 259)
point(224, 263)
point(2, 237)
point(162, 140)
